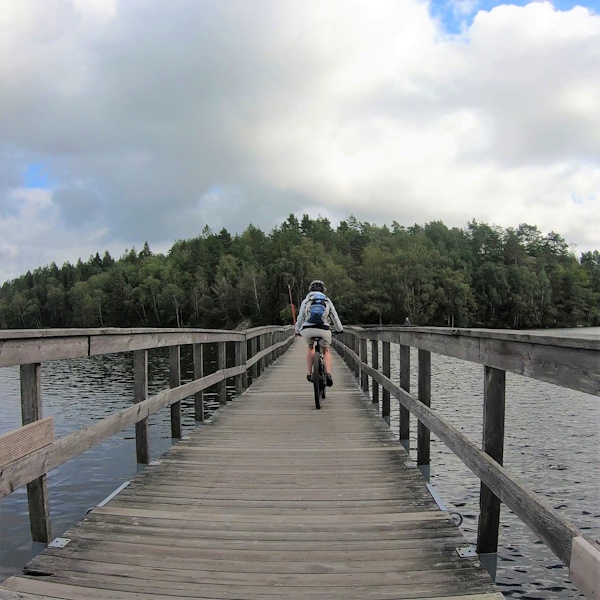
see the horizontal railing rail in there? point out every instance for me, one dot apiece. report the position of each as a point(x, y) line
point(572, 362)
point(28, 462)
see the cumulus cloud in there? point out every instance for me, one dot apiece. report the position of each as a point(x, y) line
point(154, 119)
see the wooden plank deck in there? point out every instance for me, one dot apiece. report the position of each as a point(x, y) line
point(272, 499)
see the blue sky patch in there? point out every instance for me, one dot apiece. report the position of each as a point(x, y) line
point(36, 176)
point(458, 14)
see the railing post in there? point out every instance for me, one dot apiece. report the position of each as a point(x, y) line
point(363, 357)
point(253, 351)
point(244, 359)
point(375, 365)
point(385, 405)
point(493, 444)
point(424, 394)
point(221, 362)
point(198, 374)
point(269, 337)
point(140, 393)
point(405, 385)
point(355, 367)
point(37, 490)
point(261, 346)
point(346, 342)
point(175, 381)
point(238, 363)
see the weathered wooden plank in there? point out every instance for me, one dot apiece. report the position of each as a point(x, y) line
point(104, 587)
point(22, 351)
point(568, 361)
point(25, 440)
point(404, 425)
point(37, 489)
point(375, 365)
point(399, 334)
point(424, 396)
point(221, 359)
point(433, 559)
point(493, 445)
point(175, 382)
point(198, 576)
point(140, 391)
point(387, 365)
point(197, 357)
point(584, 569)
point(106, 344)
point(247, 553)
point(574, 368)
point(193, 515)
point(76, 593)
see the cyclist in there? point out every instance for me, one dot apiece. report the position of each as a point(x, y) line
point(310, 328)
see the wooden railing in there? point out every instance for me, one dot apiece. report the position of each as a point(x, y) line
point(29, 453)
point(572, 362)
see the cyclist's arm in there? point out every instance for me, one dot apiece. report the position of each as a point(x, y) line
point(300, 318)
point(335, 320)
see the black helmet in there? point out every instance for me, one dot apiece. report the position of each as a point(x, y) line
point(317, 286)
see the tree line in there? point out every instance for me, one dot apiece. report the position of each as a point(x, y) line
point(478, 276)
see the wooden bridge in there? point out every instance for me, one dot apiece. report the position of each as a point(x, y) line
point(270, 498)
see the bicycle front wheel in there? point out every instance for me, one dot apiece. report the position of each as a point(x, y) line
point(316, 379)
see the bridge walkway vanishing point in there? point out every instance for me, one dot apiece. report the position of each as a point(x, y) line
point(271, 498)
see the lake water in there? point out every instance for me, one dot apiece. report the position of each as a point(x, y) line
point(552, 446)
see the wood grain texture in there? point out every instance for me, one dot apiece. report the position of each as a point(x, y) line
point(567, 360)
point(270, 498)
point(25, 440)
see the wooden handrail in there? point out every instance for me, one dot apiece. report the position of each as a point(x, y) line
point(568, 361)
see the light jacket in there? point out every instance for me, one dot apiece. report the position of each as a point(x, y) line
point(333, 317)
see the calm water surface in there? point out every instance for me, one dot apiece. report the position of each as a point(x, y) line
point(552, 437)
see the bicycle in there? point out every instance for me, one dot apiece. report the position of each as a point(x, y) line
point(318, 375)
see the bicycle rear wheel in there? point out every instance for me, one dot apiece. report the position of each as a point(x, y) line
point(322, 379)
point(316, 378)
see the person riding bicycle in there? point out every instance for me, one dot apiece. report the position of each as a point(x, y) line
point(316, 316)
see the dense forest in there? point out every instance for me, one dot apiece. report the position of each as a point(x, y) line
point(480, 276)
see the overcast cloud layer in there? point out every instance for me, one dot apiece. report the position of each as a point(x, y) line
point(125, 121)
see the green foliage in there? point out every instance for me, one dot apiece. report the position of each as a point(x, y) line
point(480, 276)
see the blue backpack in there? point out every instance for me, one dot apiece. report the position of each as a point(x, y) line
point(317, 309)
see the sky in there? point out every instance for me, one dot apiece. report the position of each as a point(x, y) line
point(124, 121)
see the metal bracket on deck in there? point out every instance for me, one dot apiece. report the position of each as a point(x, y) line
point(456, 517)
point(59, 543)
point(119, 489)
point(466, 552)
point(109, 498)
point(436, 497)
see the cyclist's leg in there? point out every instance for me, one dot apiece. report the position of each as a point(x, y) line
point(310, 352)
point(325, 343)
point(327, 359)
